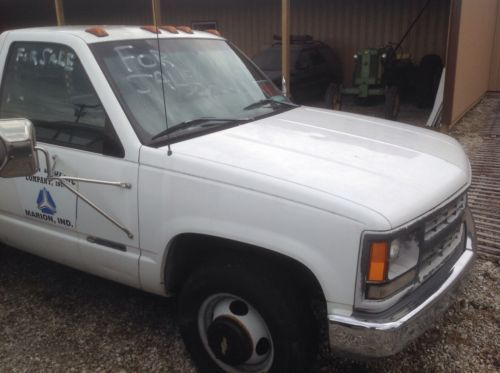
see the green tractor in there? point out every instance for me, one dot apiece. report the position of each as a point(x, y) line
point(383, 72)
point(378, 72)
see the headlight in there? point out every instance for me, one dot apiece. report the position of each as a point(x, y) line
point(394, 251)
point(403, 256)
point(391, 266)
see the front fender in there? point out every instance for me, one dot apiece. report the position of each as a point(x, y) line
point(327, 244)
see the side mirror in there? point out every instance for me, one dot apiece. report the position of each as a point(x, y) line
point(17, 148)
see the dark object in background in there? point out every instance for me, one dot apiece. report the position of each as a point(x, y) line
point(381, 72)
point(313, 66)
point(429, 76)
point(400, 71)
point(378, 72)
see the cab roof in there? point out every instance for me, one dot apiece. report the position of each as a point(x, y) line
point(115, 33)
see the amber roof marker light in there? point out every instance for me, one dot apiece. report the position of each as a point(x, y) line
point(98, 31)
point(213, 32)
point(170, 29)
point(186, 29)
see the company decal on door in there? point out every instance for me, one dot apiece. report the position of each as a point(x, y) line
point(47, 201)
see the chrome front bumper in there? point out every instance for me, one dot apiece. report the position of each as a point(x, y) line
point(371, 337)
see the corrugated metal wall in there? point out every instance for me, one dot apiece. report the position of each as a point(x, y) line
point(346, 25)
point(29, 13)
point(131, 12)
point(26, 13)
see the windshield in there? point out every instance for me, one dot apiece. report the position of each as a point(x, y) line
point(202, 78)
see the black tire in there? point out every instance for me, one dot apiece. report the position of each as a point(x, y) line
point(3, 153)
point(392, 103)
point(333, 97)
point(429, 76)
point(290, 347)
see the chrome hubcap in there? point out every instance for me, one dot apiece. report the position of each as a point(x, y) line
point(235, 334)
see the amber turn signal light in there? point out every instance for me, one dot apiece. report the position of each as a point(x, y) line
point(379, 257)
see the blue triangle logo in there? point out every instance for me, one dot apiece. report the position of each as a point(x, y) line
point(45, 202)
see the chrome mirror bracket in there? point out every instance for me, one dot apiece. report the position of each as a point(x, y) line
point(49, 165)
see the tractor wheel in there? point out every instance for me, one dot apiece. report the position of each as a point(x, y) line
point(392, 103)
point(333, 97)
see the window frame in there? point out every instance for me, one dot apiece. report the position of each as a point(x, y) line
point(108, 129)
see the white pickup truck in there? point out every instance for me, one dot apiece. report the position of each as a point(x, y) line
point(165, 160)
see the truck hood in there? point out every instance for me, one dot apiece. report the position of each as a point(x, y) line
point(396, 170)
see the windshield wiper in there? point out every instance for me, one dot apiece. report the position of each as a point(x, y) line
point(199, 122)
point(269, 101)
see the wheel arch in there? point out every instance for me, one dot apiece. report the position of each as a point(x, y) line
point(189, 251)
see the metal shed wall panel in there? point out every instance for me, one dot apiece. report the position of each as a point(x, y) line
point(108, 12)
point(26, 13)
point(346, 25)
point(474, 55)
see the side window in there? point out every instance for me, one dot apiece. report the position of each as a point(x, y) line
point(46, 83)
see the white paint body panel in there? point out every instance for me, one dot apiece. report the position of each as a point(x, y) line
point(343, 157)
point(305, 183)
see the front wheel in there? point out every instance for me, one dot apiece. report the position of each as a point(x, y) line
point(235, 319)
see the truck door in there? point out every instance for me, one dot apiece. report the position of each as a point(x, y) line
point(48, 84)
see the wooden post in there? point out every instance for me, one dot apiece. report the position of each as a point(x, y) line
point(59, 12)
point(285, 47)
point(156, 12)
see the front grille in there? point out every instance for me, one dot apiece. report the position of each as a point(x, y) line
point(441, 237)
point(443, 234)
point(444, 218)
